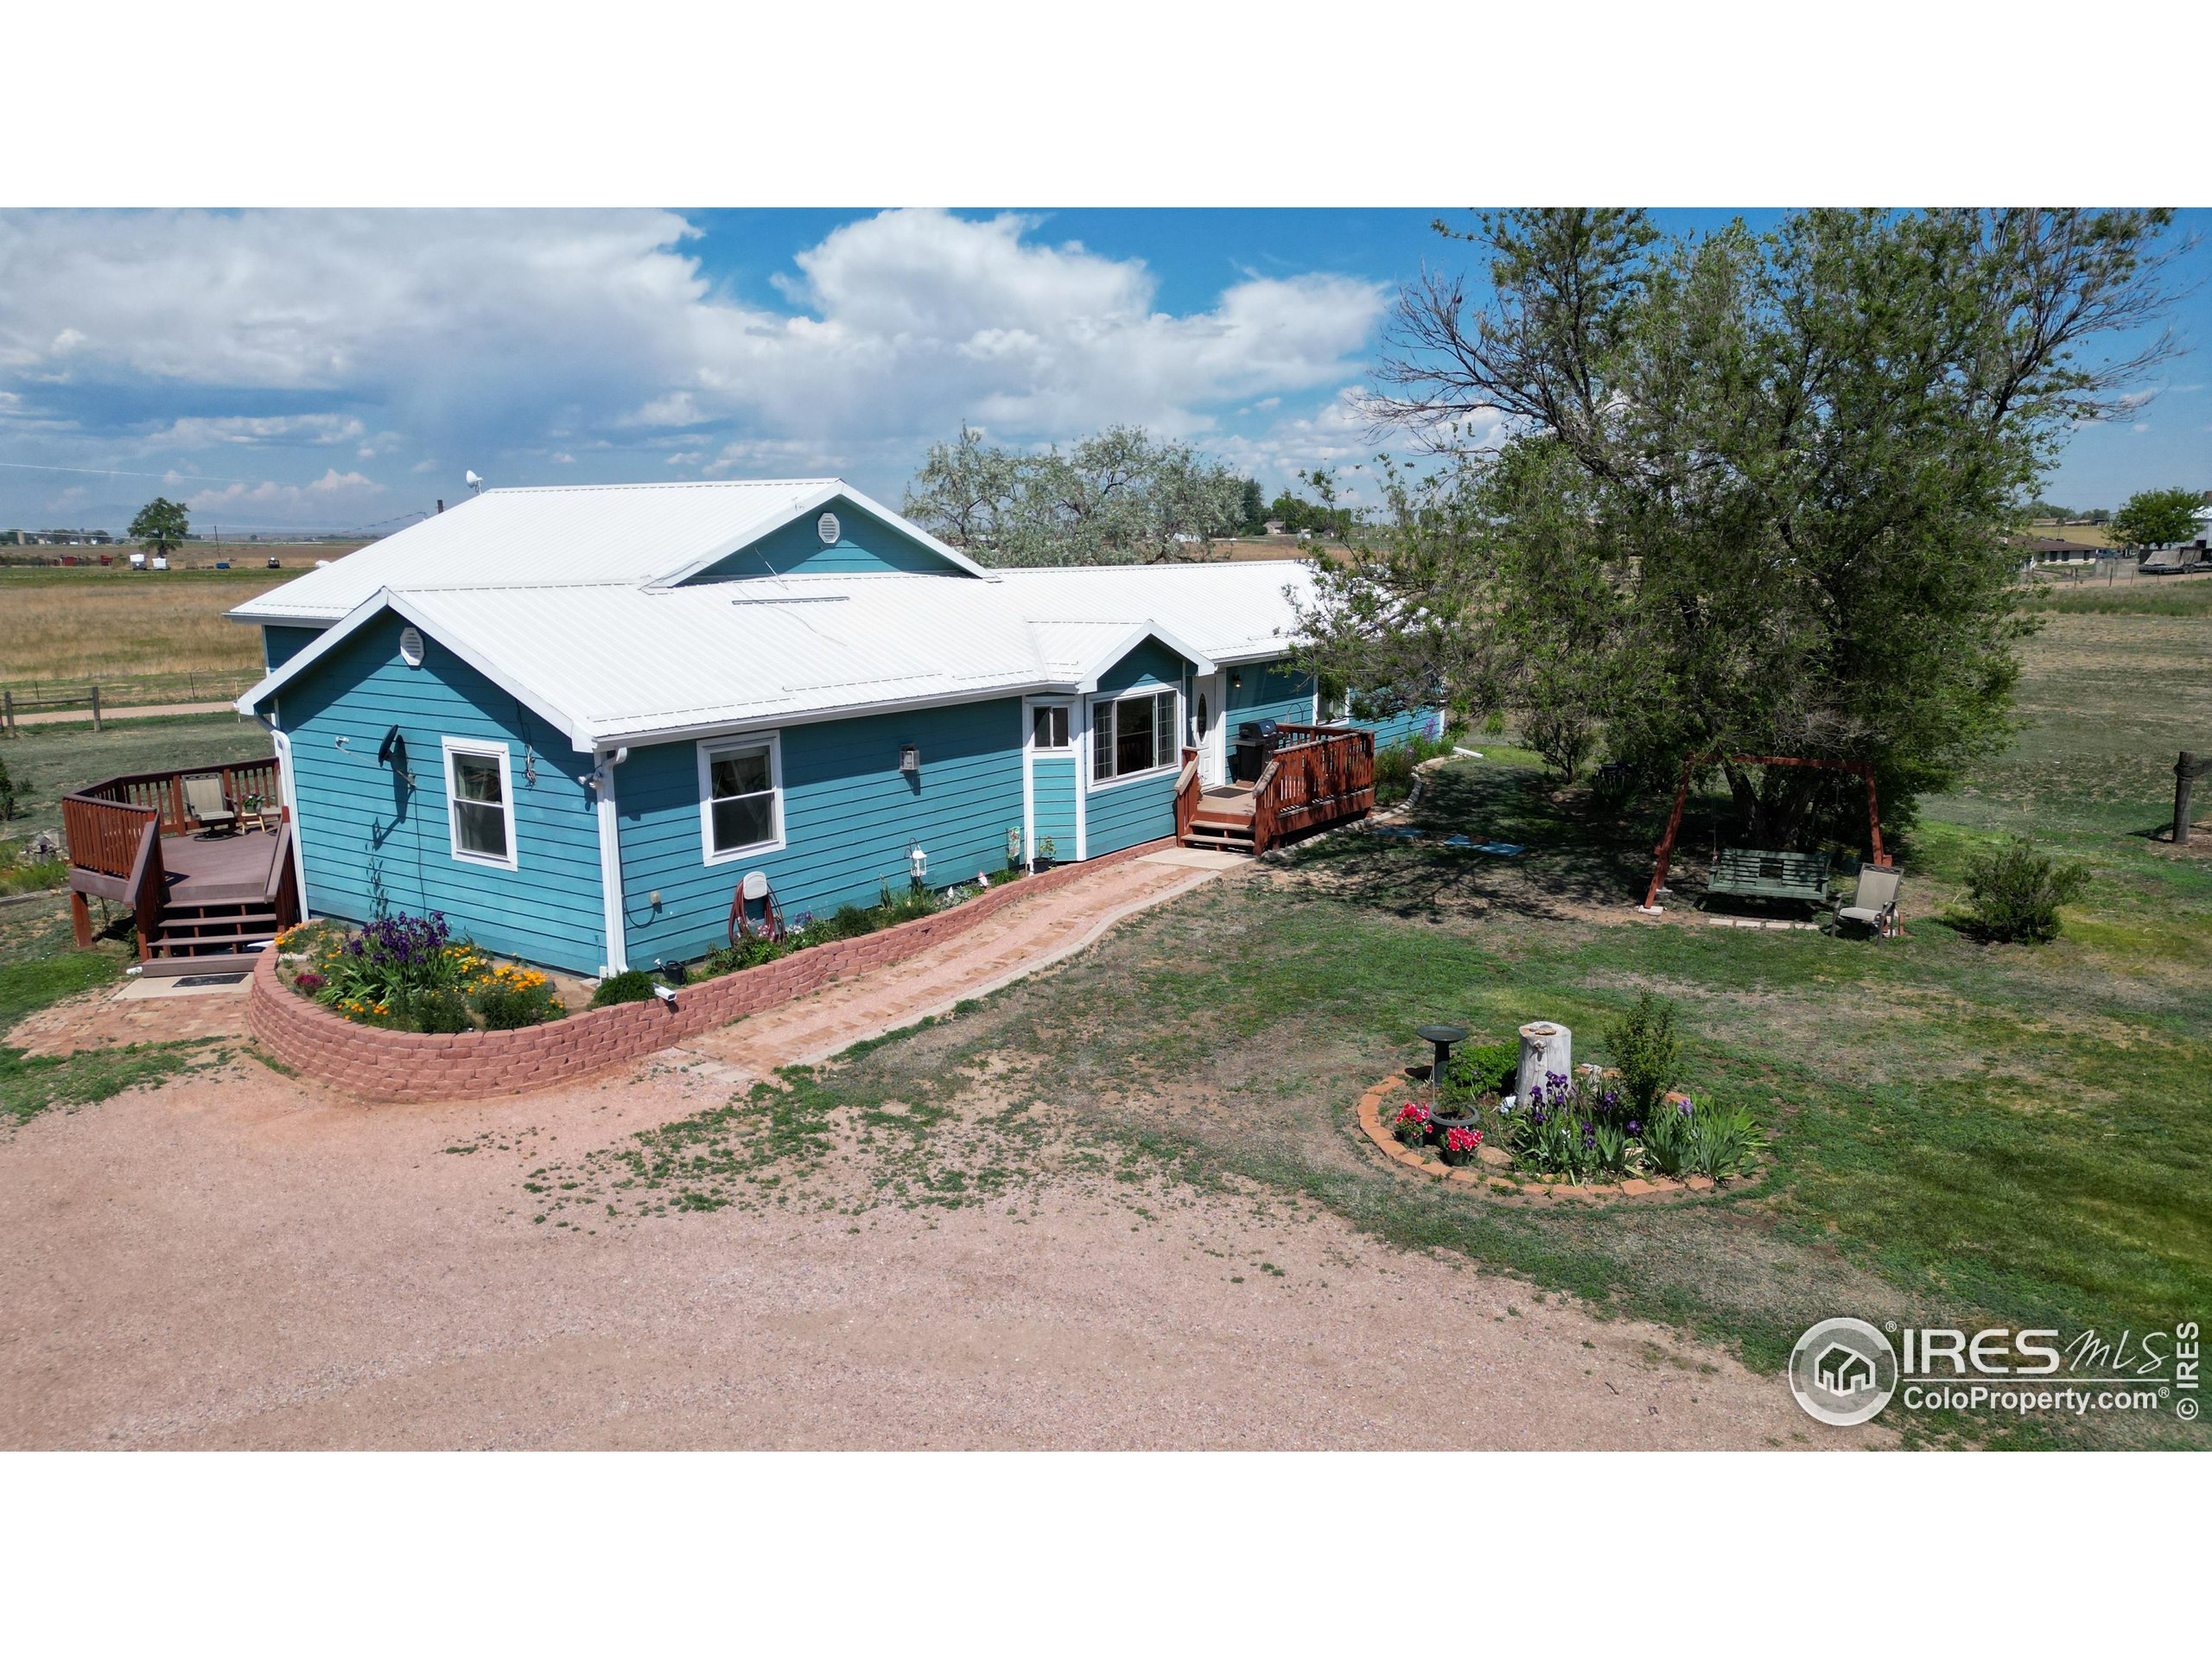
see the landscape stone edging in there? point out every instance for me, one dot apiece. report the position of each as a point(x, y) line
point(1553, 1186)
point(411, 1067)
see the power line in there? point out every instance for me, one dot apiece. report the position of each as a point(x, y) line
point(117, 472)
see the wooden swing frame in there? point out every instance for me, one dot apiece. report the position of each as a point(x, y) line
point(1665, 850)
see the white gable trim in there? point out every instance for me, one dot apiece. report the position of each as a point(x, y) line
point(366, 613)
point(812, 500)
point(1087, 682)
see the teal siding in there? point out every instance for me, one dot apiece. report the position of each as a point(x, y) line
point(280, 645)
point(1122, 815)
point(865, 545)
point(1055, 776)
point(360, 826)
point(1268, 691)
point(849, 816)
point(1150, 664)
point(1399, 728)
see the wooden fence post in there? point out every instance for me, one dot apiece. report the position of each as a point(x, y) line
point(96, 709)
point(2185, 770)
point(8, 713)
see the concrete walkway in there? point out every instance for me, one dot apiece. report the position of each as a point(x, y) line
point(1018, 941)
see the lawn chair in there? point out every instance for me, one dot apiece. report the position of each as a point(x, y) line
point(204, 800)
point(1874, 904)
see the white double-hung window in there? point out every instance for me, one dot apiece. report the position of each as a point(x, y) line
point(479, 802)
point(740, 796)
point(1134, 736)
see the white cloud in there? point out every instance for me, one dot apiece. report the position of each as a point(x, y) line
point(333, 490)
point(203, 432)
point(469, 327)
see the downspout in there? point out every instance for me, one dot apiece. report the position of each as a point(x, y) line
point(288, 783)
point(602, 779)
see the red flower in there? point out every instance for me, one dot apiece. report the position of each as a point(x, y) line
point(1462, 1140)
point(1413, 1112)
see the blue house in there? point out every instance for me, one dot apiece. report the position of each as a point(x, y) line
point(574, 719)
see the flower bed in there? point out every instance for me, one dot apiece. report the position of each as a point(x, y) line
point(409, 973)
point(1599, 1130)
point(378, 1063)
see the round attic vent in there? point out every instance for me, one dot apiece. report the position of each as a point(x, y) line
point(410, 647)
point(828, 528)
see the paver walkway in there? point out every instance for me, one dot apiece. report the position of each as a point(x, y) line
point(1018, 940)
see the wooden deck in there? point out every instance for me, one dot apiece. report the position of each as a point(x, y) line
point(201, 899)
point(1317, 776)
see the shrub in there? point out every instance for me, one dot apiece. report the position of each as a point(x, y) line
point(34, 874)
point(749, 953)
point(1644, 1047)
point(635, 985)
point(7, 794)
point(1485, 1069)
point(439, 1011)
point(1395, 766)
point(2013, 893)
point(510, 1000)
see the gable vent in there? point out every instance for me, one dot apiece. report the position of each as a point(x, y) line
point(410, 647)
point(828, 528)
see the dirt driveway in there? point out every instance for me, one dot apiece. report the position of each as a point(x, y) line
point(240, 1260)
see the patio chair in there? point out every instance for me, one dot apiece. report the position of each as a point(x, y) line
point(204, 800)
point(1874, 904)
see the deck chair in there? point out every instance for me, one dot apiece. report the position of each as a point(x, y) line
point(1874, 904)
point(203, 799)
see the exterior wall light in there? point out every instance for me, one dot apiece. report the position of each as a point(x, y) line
point(910, 758)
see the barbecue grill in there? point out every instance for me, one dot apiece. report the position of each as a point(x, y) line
point(1255, 741)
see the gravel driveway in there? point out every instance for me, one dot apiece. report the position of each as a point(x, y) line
point(238, 1259)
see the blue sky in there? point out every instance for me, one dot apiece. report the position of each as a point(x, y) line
point(300, 371)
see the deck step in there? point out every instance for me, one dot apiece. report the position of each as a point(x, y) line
point(210, 929)
point(171, 966)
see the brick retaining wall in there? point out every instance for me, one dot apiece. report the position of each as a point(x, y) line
point(403, 1065)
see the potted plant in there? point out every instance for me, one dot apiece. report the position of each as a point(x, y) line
point(1411, 1125)
point(1043, 861)
point(1461, 1145)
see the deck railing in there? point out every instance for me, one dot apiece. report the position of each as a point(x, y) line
point(1317, 775)
point(114, 828)
point(164, 791)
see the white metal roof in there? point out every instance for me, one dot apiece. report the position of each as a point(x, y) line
point(635, 533)
point(1233, 612)
point(614, 662)
point(575, 601)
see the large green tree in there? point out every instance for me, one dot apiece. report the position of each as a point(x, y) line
point(160, 524)
point(1741, 492)
point(1123, 497)
point(2154, 517)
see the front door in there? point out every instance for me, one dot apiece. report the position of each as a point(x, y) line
point(1209, 724)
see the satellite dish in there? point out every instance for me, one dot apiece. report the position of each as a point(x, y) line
point(472, 480)
point(393, 752)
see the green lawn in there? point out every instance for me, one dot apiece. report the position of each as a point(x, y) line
point(1962, 1134)
point(46, 762)
point(39, 966)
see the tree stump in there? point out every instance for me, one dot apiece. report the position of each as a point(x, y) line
point(1546, 1047)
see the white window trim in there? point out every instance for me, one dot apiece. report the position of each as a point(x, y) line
point(1088, 760)
point(1033, 704)
point(479, 749)
point(708, 748)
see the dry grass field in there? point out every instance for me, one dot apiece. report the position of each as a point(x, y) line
point(140, 636)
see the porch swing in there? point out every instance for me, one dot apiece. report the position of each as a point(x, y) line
point(1754, 873)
